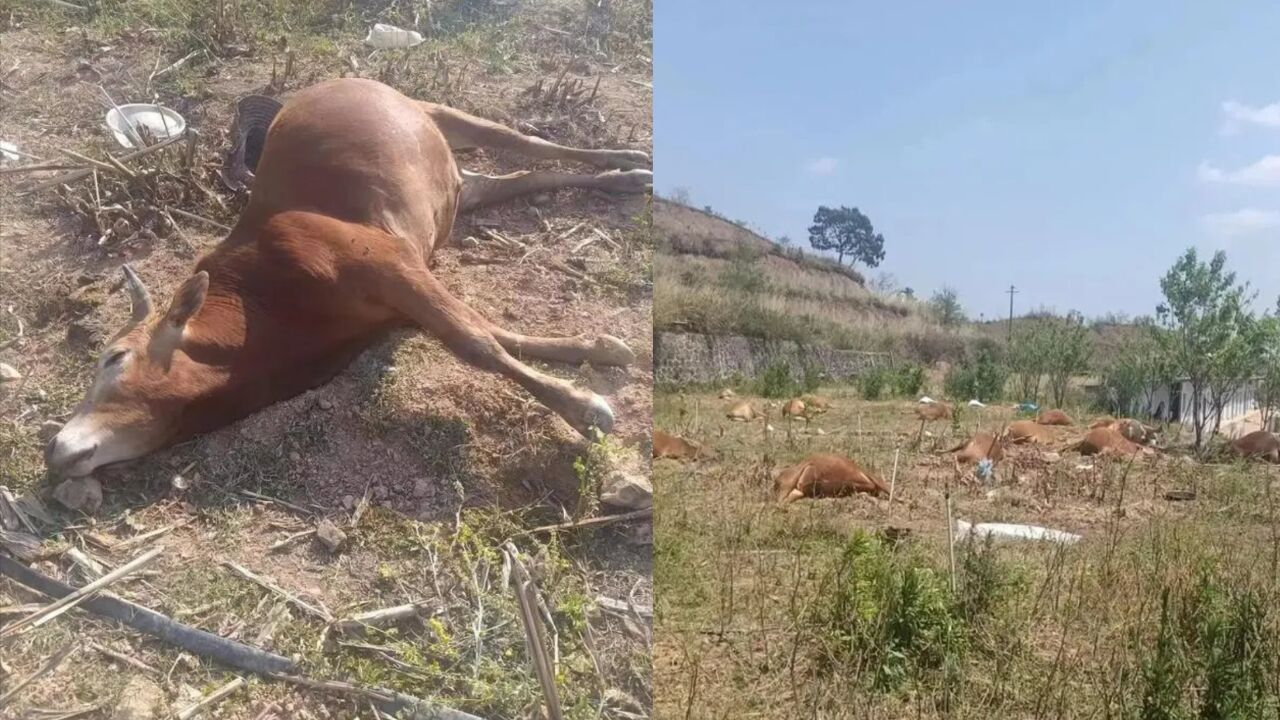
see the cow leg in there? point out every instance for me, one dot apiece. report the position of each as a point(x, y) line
point(464, 131)
point(421, 297)
point(480, 190)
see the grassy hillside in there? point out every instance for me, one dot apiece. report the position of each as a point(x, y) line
point(717, 277)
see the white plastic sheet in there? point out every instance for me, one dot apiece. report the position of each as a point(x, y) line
point(390, 37)
point(1010, 530)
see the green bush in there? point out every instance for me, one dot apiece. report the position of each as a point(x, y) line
point(776, 382)
point(981, 376)
point(872, 383)
point(909, 379)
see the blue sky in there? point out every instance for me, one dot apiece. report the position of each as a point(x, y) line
point(1072, 149)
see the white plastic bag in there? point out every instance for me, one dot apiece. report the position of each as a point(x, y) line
point(390, 37)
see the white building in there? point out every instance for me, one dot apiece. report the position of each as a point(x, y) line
point(1173, 403)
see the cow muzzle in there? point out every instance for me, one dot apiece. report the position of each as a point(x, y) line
point(67, 457)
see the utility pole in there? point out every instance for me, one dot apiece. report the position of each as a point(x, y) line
point(1012, 291)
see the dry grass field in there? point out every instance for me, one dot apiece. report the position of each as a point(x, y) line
point(427, 465)
point(856, 608)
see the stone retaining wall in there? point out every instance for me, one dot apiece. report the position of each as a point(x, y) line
point(692, 358)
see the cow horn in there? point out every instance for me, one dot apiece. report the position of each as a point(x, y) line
point(138, 295)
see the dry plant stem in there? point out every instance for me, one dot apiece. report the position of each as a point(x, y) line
point(126, 659)
point(139, 618)
point(212, 699)
point(378, 618)
point(205, 220)
point(533, 633)
point(591, 522)
point(80, 174)
point(58, 607)
point(388, 701)
point(264, 582)
point(49, 666)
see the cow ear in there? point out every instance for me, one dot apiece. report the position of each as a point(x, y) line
point(188, 300)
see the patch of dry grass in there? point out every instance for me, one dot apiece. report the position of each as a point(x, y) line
point(1136, 620)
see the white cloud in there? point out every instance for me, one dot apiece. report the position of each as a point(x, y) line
point(822, 166)
point(1263, 172)
point(1240, 114)
point(1239, 223)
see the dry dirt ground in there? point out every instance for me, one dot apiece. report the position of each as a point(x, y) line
point(842, 608)
point(427, 464)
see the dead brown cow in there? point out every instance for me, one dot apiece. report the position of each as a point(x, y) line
point(1105, 440)
point(794, 409)
point(981, 445)
point(816, 404)
point(1258, 444)
point(743, 412)
point(666, 445)
point(1054, 417)
point(355, 188)
point(825, 476)
point(1130, 429)
point(928, 412)
point(1023, 431)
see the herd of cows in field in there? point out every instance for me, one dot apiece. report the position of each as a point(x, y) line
point(823, 475)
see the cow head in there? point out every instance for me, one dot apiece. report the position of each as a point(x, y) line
point(141, 387)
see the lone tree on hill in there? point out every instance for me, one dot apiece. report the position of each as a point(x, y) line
point(848, 232)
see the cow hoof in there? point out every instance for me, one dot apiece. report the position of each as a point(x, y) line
point(609, 351)
point(598, 415)
point(627, 159)
point(625, 181)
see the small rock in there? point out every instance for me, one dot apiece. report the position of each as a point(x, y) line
point(330, 535)
point(325, 404)
point(627, 490)
point(48, 429)
point(349, 502)
point(84, 494)
point(9, 373)
point(141, 699)
point(421, 487)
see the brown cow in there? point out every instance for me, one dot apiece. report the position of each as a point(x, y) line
point(743, 412)
point(931, 411)
point(816, 404)
point(1105, 440)
point(355, 187)
point(1258, 444)
point(666, 445)
point(981, 445)
point(1054, 417)
point(1132, 430)
point(1022, 431)
point(794, 409)
point(727, 394)
point(825, 476)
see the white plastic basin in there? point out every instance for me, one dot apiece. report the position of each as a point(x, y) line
point(160, 121)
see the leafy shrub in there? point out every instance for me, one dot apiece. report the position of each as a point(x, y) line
point(909, 379)
point(980, 376)
point(777, 382)
point(872, 383)
point(892, 617)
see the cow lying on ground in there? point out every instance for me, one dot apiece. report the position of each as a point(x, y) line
point(1024, 431)
point(981, 445)
point(1258, 444)
point(930, 411)
point(1131, 430)
point(795, 409)
point(666, 445)
point(355, 188)
point(1054, 417)
point(744, 412)
point(816, 404)
point(825, 476)
point(1105, 440)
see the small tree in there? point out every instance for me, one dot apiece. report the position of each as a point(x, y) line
point(1202, 312)
point(945, 305)
point(681, 195)
point(846, 231)
point(1268, 391)
point(1235, 363)
point(1028, 358)
point(1067, 352)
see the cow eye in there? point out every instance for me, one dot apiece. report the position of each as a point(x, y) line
point(114, 358)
